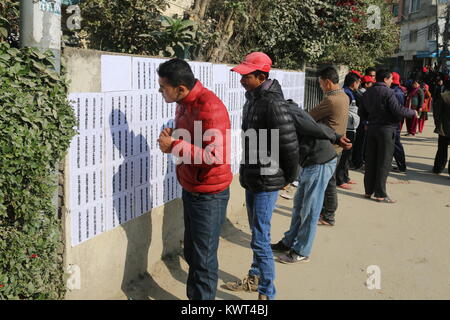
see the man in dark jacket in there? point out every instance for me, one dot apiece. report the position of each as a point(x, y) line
point(381, 109)
point(441, 114)
point(204, 172)
point(270, 162)
point(318, 161)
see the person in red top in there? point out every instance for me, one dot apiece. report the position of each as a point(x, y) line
point(200, 142)
point(425, 107)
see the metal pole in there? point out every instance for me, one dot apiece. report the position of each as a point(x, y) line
point(437, 31)
point(40, 26)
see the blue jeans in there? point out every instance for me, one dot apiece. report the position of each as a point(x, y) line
point(308, 201)
point(260, 206)
point(204, 215)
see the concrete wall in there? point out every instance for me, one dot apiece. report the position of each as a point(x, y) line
point(178, 7)
point(103, 267)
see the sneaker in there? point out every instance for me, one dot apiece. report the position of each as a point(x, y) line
point(279, 247)
point(292, 257)
point(248, 284)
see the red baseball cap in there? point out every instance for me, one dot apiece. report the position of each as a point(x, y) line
point(253, 62)
point(366, 79)
point(395, 78)
point(357, 73)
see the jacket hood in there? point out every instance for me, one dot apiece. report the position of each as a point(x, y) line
point(446, 97)
point(275, 87)
point(272, 86)
point(268, 87)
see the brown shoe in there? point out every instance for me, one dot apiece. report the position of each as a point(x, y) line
point(248, 284)
point(323, 222)
point(262, 297)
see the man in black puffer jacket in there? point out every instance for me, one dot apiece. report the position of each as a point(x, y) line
point(264, 111)
point(270, 162)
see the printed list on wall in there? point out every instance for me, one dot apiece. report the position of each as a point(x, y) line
point(116, 170)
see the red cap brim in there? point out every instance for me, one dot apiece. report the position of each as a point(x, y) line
point(243, 69)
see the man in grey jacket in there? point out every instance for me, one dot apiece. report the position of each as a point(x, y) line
point(318, 162)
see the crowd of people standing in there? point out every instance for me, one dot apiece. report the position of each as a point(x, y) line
point(355, 126)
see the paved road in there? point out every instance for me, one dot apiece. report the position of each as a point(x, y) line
point(408, 241)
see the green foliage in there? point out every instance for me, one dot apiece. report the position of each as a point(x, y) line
point(298, 31)
point(117, 26)
point(9, 21)
point(367, 46)
point(36, 126)
point(176, 37)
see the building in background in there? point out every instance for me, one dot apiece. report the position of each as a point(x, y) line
point(422, 24)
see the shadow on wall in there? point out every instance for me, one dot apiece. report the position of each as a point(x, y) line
point(137, 283)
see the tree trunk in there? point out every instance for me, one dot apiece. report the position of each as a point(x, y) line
point(203, 6)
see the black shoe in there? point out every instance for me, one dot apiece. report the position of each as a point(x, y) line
point(397, 169)
point(279, 247)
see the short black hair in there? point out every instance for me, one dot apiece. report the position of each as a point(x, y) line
point(329, 73)
point(177, 72)
point(257, 73)
point(383, 74)
point(370, 69)
point(350, 79)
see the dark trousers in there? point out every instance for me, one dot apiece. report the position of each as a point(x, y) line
point(379, 153)
point(442, 155)
point(344, 162)
point(330, 201)
point(399, 152)
point(359, 147)
point(204, 215)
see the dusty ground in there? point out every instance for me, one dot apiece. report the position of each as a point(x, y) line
point(409, 241)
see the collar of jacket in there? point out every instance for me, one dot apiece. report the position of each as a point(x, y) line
point(193, 94)
point(333, 92)
point(250, 95)
point(378, 84)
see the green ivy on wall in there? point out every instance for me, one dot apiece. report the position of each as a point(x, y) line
point(36, 126)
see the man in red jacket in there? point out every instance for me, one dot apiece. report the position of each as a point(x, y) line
point(200, 142)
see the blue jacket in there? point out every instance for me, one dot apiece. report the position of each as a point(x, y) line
point(400, 95)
